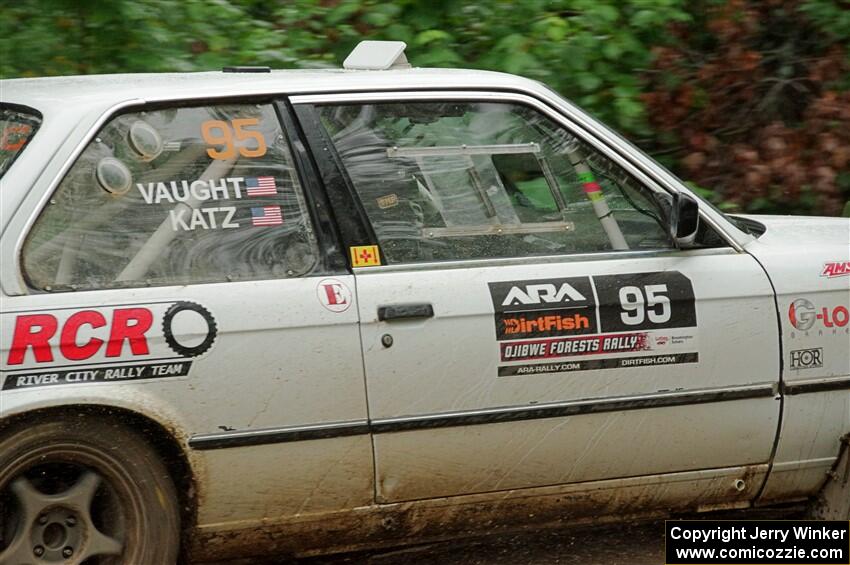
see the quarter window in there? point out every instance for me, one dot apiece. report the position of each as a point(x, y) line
point(176, 196)
point(477, 180)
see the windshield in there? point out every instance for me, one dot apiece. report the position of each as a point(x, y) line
point(17, 126)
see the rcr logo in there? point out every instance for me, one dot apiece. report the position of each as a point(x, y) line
point(109, 333)
point(537, 293)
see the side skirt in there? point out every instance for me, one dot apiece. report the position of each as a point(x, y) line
point(447, 518)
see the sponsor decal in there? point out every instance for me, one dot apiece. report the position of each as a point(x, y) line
point(592, 315)
point(836, 269)
point(804, 316)
point(807, 358)
point(198, 322)
point(571, 346)
point(97, 375)
point(597, 364)
point(365, 256)
point(522, 325)
point(104, 343)
point(544, 308)
point(387, 201)
point(334, 295)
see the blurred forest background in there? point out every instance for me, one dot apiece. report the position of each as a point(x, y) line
point(748, 100)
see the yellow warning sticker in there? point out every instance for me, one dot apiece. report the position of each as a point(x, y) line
point(365, 256)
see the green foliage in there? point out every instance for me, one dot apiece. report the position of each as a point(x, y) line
point(59, 37)
point(602, 54)
point(589, 50)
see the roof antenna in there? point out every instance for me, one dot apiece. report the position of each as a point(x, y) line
point(377, 56)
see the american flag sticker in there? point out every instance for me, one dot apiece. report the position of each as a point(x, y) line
point(260, 186)
point(266, 216)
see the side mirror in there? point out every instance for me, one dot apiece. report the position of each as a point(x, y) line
point(681, 211)
point(685, 222)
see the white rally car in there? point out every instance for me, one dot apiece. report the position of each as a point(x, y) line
point(305, 311)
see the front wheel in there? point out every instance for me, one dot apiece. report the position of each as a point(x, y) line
point(82, 490)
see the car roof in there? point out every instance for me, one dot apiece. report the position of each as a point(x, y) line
point(51, 94)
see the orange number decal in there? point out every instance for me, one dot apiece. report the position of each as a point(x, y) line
point(242, 134)
point(218, 133)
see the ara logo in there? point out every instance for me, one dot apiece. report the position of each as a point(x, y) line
point(543, 308)
point(537, 293)
point(545, 294)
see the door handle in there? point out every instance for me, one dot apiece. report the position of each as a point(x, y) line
point(405, 311)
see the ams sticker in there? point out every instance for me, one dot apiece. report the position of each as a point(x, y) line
point(103, 344)
point(593, 316)
point(836, 269)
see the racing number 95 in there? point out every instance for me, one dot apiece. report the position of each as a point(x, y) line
point(650, 302)
point(645, 301)
point(225, 136)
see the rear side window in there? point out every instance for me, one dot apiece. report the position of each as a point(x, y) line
point(176, 196)
point(17, 127)
point(459, 180)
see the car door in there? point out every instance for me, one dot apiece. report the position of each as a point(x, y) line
point(182, 270)
point(525, 319)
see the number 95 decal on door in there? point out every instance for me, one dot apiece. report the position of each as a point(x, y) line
point(594, 322)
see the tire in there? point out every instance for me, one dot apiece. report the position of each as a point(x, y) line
point(84, 489)
point(833, 502)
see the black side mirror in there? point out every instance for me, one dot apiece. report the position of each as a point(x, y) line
point(685, 220)
point(681, 212)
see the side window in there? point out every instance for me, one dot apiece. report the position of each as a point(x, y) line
point(476, 180)
point(176, 196)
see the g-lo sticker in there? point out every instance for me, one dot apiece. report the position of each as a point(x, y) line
point(334, 295)
point(804, 316)
point(103, 343)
